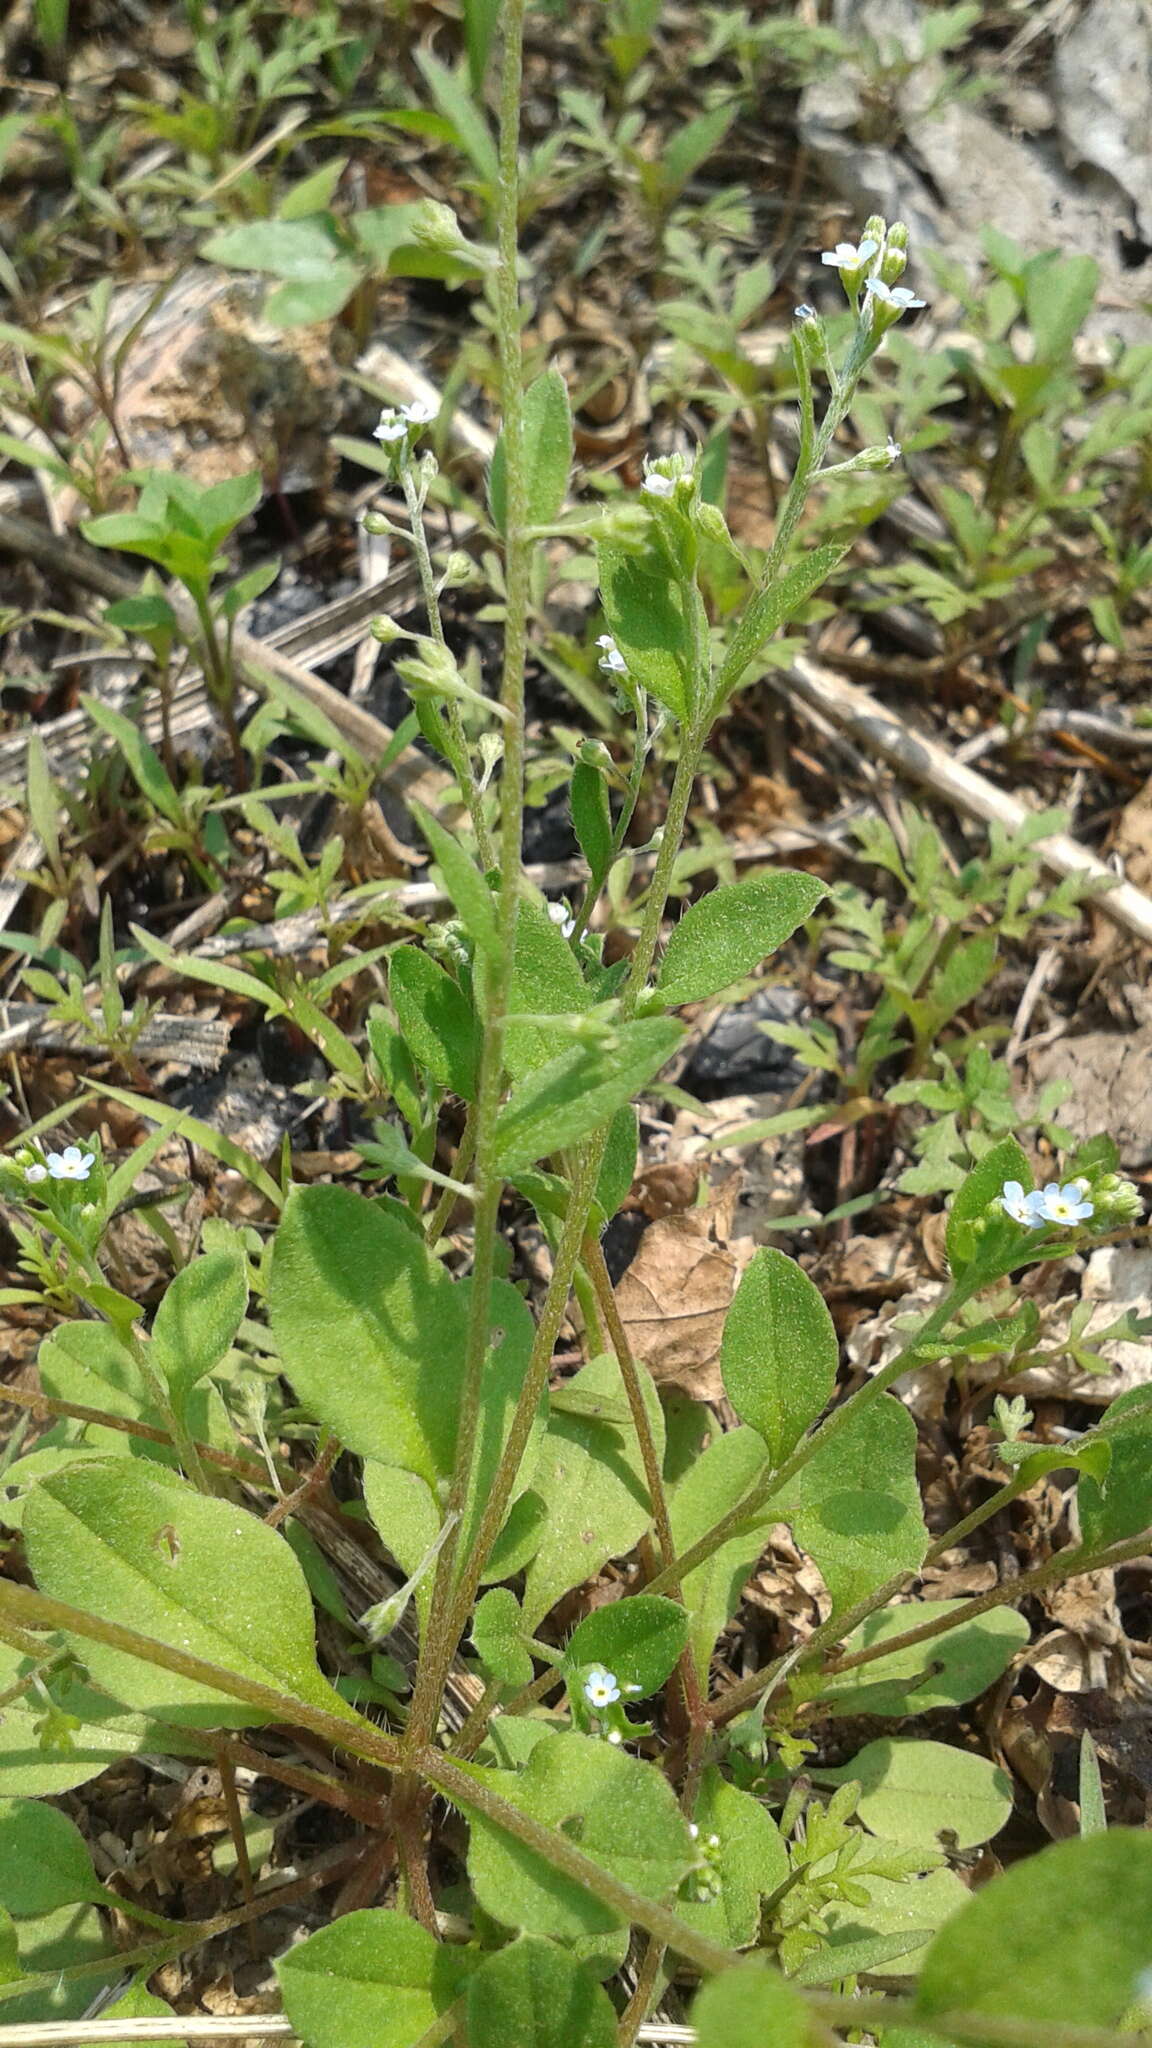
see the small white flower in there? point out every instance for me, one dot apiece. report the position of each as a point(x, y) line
point(615, 1736)
point(1020, 1206)
point(561, 915)
point(658, 485)
point(600, 1688)
point(693, 1830)
point(1064, 1204)
point(70, 1164)
point(611, 660)
point(894, 450)
point(35, 1173)
point(392, 427)
point(419, 413)
point(897, 296)
point(846, 255)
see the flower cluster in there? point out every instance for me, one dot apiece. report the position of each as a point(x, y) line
point(70, 1164)
point(397, 422)
point(1036, 1207)
point(872, 267)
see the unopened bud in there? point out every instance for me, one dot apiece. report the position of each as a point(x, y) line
point(386, 630)
point(459, 570)
point(710, 521)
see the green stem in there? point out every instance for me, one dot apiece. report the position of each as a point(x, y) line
point(438, 1650)
point(457, 738)
point(992, 1506)
point(351, 1732)
point(1066, 1564)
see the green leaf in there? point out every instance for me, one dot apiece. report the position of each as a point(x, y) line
point(519, 1539)
point(215, 1143)
point(142, 759)
point(465, 884)
point(712, 1485)
point(547, 454)
point(779, 1352)
point(373, 1979)
point(89, 1365)
point(748, 2007)
point(943, 1672)
point(407, 1520)
point(901, 1906)
point(467, 116)
point(638, 1640)
point(437, 1022)
point(53, 1943)
point(621, 1814)
point(498, 1633)
point(61, 1734)
point(197, 1321)
point(592, 1477)
point(693, 144)
point(299, 251)
point(592, 818)
point(772, 608)
point(579, 1090)
point(321, 298)
point(1120, 1504)
point(1058, 1940)
point(731, 930)
point(751, 1862)
point(44, 1860)
point(546, 982)
point(915, 1792)
point(647, 620)
point(194, 1573)
point(855, 1506)
point(618, 1166)
point(534, 1995)
point(1058, 297)
point(1006, 1161)
point(1093, 1812)
point(373, 1332)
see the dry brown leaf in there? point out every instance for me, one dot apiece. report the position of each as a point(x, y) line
point(676, 1293)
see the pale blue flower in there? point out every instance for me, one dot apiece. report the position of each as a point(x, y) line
point(1023, 1207)
point(70, 1164)
point(1064, 1204)
point(600, 1688)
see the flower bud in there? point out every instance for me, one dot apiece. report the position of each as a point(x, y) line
point(458, 571)
point(386, 630)
point(1116, 1201)
point(376, 522)
point(710, 521)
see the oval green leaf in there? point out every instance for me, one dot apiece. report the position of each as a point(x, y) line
point(779, 1351)
point(730, 931)
point(194, 1573)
